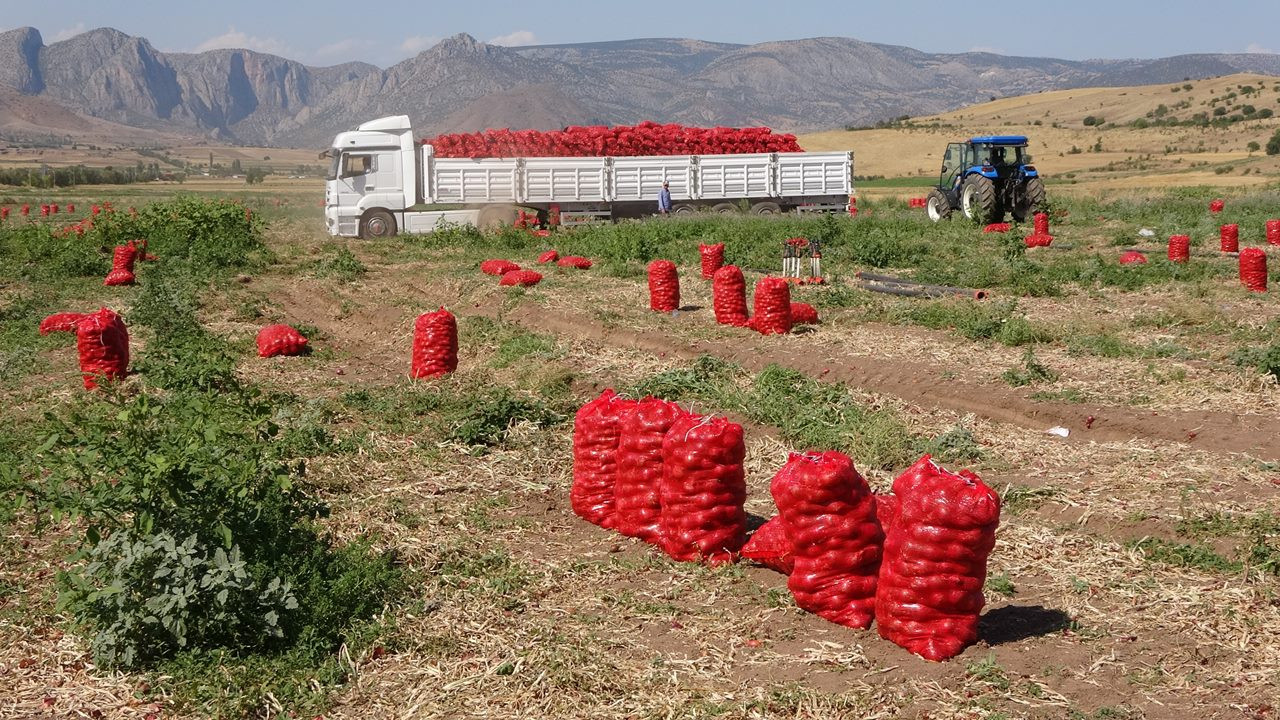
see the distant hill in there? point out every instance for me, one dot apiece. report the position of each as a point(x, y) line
point(241, 96)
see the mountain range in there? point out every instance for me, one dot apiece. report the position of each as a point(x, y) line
point(460, 84)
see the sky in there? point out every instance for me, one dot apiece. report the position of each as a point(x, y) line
point(328, 32)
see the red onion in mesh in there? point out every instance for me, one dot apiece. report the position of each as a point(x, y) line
point(435, 345)
point(664, 286)
point(1253, 269)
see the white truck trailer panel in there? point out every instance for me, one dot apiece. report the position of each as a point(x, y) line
point(466, 180)
point(814, 173)
point(735, 176)
point(566, 180)
point(641, 177)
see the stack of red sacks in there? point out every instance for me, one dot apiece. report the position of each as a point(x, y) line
point(915, 560)
point(651, 470)
point(647, 138)
point(101, 339)
point(917, 202)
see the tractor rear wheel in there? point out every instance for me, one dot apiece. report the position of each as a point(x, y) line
point(1033, 200)
point(978, 199)
point(938, 206)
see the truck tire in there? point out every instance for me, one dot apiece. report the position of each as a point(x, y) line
point(684, 209)
point(978, 199)
point(1033, 200)
point(724, 208)
point(767, 207)
point(938, 206)
point(496, 217)
point(377, 224)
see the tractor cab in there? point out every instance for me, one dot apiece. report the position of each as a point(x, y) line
point(987, 177)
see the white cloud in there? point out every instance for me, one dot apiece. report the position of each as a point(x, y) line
point(519, 37)
point(1256, 48)
point(68, 33)
point(233, 38)
point(342, 50)
point(417, 43)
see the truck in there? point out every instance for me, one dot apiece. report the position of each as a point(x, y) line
point(381, 182)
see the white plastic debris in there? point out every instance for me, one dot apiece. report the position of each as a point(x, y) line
point(1147, 232)
point(1059, 431)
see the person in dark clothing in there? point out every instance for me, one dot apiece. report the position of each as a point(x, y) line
point(664, 199)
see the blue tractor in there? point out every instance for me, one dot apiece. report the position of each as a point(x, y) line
point(985, 178)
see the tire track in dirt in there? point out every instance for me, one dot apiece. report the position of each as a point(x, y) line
point(921, 385)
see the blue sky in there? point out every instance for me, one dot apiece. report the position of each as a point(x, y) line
point(324, 32)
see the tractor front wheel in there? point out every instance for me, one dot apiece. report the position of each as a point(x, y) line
point(1033, 200)
point(938, 205)
point(978, 199)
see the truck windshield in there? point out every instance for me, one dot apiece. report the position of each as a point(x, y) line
point(334, 158)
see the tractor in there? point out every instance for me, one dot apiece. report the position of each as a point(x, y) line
point(985, 178)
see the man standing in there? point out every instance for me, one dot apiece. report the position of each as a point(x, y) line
point(664, 199)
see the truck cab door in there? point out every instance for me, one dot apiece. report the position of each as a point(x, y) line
point(952, 165)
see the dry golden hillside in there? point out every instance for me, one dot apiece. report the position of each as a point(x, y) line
point(1118, 152)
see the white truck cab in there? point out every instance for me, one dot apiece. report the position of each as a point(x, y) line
point(381, 181)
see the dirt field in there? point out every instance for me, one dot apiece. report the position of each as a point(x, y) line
point(1134, 574)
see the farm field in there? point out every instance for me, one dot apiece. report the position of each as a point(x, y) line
point(1136, 563)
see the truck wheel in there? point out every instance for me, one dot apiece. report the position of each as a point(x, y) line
point(766, 208)
point(724, 208)
point(496, 217)
point(684, 209)
point(377, 224)
point(978, 199)
point(938, 206)
point(1033, 200)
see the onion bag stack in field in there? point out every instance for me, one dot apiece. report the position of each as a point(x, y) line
point(1133, 257)
point(703, 490)
point(803, 314)
point(647, 138)
point(1229, 238)
point(596, 431)
point(772, 306)
point(664, 286)
point(829, 517)
point(940, 529)
point(1253, 269)
point(712, 257)
point(1179, 248)
point(548, 256)
point(522, 278)
point(122, 261)
point(637, 500)
point(769, 547)
point(1273, 232)
point(574, 261)
point(103, 344)
point(435, 345)
point(729, 296)
point(498, 267)
point(280, 339)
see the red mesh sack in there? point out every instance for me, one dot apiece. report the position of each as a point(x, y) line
point(830, 519)
point(1040, 223)
point(636, 492)
point(772, 306)
point(103, 342)
point(664, 286)
point(1216, 206)
point(498, 267)
point(61, 322)
point(574, 261)
point(1179, 248)
point(119, 276)
point(703, 490)
point(435, 344)
point(548, 256)
point(729, 296)
point(280, 340)
point(1273, 232)
point(1229, 237)
point(523, 278)
point(769, 546)
point(712, 259)
point(940, 531)
point(123, 257)
point(803, 314)
point(1253, 269)
point(996, 228)
point(596, 430)
point(1133, 257)
point(1038, 240)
